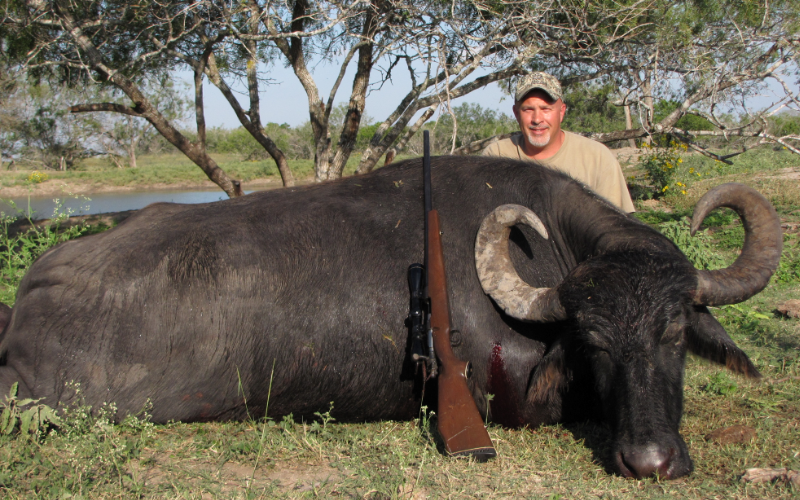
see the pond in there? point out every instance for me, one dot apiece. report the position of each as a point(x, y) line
point(43, 207)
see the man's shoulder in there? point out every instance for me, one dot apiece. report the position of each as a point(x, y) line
point(579, 141)
point(579, 144)
point(504, 147)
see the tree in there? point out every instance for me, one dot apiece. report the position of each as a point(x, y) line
point(62, 40)
point(702, 59)
point(36, 128)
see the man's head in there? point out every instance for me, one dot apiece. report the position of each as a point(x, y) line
point(539, 111)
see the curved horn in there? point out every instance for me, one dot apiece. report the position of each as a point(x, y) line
point(498, 277)
point(761, 252)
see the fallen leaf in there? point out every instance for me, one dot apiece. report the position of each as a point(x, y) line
point(789, 309)
point(770, 475)
point(732, 435)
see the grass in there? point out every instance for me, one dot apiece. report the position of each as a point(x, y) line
point(88, 457)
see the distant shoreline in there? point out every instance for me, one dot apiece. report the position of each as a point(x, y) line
point(59, 188)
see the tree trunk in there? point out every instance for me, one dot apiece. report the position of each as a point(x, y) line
point(132, 154)
point(358, 97)
point(629, 124)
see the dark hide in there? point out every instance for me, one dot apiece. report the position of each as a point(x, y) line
point(188, 307)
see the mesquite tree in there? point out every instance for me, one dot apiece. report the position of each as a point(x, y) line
point(709, 58)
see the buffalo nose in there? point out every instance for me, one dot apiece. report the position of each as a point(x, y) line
point(645, 461)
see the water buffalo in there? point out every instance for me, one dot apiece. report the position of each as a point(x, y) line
point(191, 306)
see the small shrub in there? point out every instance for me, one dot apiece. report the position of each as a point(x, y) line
point(30, 421)
point(18, 251)
point(37, 177)
point(698, 248)
point(660, 167)
point(721, 384)
point(789, 268)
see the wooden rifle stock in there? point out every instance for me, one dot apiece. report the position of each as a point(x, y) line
point(460, 424)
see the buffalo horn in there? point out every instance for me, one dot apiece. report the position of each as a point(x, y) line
point(763, 240)
point(496, 272)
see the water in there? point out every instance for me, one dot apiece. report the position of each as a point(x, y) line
point(42, 207)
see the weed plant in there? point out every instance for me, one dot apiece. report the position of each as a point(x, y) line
point(698, 248)
point(18, 250)
point(660, 167)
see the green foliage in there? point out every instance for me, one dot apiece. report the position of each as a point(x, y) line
point(664, 107)
point(36, 125)
point(37, 177)
point(784, 124)
point(699, 249)
point(365, 134)
point(295, 142)
point(789, 268)
point(721, 384)
point(748, 322)
point(474, 123)
point(325, 419)
point(660, 168)
point(590, 109)
point(18, 250)
point(30, 421)
point(655, 217)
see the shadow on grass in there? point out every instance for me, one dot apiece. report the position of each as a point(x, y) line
point(597, 437)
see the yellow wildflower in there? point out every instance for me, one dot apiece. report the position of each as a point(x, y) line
point(37, 177)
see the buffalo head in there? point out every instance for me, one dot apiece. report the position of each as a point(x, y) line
point(636, 309)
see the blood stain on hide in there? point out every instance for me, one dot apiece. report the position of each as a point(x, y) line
point(505, 405)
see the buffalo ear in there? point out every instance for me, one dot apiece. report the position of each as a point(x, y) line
point(550, 377)
point(708, 339)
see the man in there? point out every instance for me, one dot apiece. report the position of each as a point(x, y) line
point(540, 110)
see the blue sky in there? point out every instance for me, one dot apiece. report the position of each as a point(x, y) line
point(285, 101)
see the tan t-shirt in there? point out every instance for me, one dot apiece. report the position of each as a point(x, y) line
point(582, 159)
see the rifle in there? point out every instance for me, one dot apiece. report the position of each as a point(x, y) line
point(459, 422)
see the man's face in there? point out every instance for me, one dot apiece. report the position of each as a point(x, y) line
point(540, 118)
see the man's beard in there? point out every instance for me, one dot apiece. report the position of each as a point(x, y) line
point(537, 141)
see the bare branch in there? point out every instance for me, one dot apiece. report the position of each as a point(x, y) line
point(105, 106)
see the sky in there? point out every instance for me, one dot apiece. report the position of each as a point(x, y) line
point(285, 101)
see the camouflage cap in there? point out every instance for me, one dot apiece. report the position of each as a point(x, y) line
point(542, 81)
